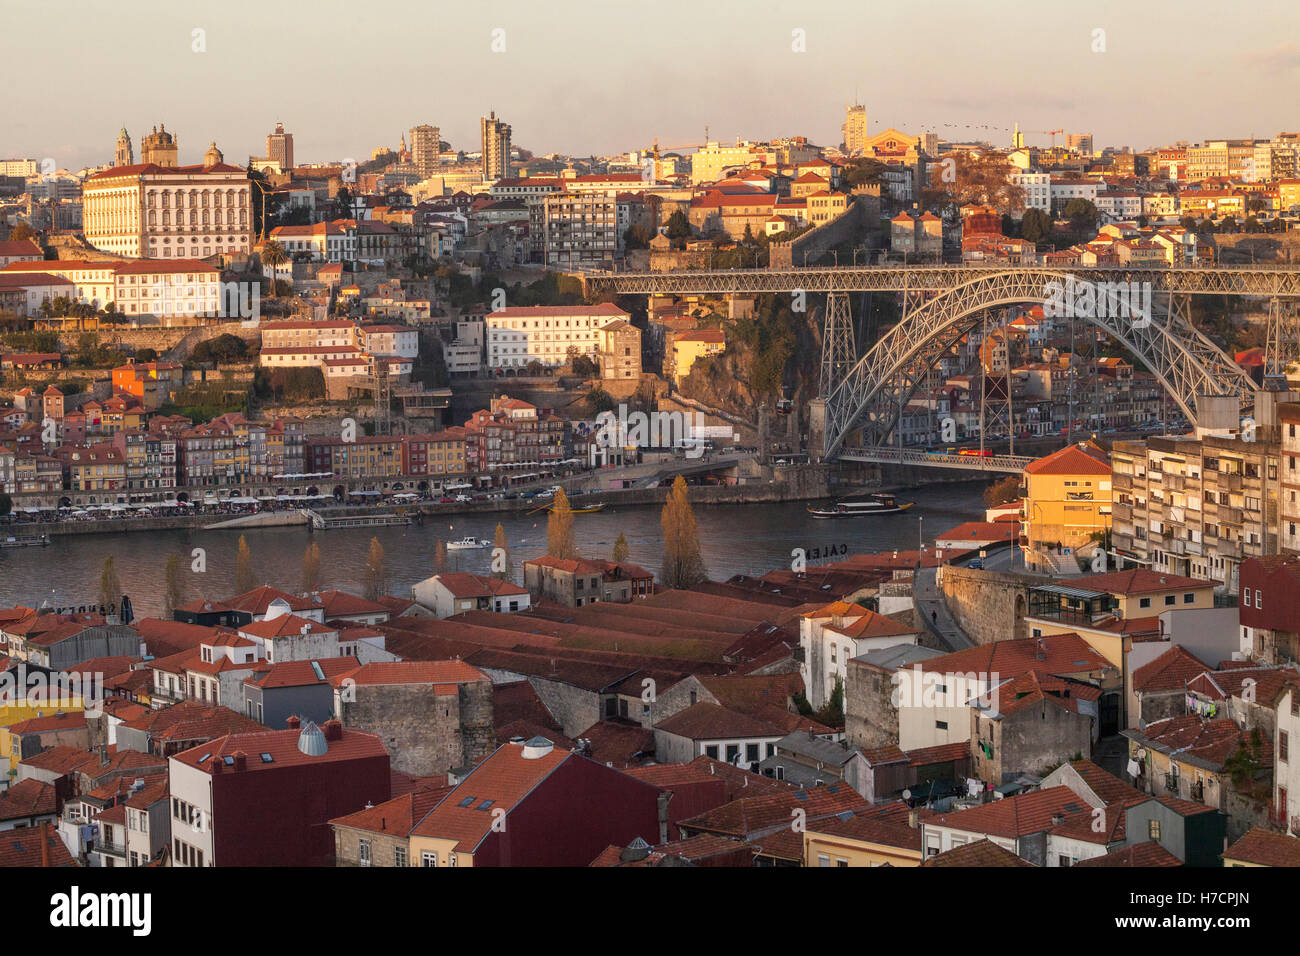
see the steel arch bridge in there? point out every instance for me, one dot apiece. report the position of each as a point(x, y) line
point(873, 392)
point(943, 303)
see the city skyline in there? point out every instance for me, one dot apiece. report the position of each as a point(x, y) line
point(938, 88)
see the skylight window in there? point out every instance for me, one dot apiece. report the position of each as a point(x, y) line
point(267, 758)
point(486, 805)
point(204, 758)
point(466, 802)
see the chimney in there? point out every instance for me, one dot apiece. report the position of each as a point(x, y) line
point(1058, 819)
point(241, 760)
point(103, 755)
point(45, 843)
point(332, 729)
point(1041, 653)
point(214, 765)
point(913, 818)
point(293, 722)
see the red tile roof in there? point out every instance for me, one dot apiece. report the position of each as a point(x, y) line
point(22, 847)
point(397, 816)
point(282, 745)
point(1074, 460)
point(1265, 848)
point(981, 853)
point(1016, 816)
point(27, 798)
point(1146, 854)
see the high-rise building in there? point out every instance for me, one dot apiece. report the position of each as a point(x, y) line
point(159, 147)
point(1079, 143)
point(125, 155)
point(496, 147)
point(426, 146)
point(279, 147)
point(854, 129)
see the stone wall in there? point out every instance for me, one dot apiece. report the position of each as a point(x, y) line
point(988, 606)
point(347, 847)
point(870, 714)
point(426, 733)
point(862, 213)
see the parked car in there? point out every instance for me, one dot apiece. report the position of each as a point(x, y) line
point(446, 500)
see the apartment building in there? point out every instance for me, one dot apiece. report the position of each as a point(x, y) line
point(1196, 507)
point(578, 228)
point(520, 335)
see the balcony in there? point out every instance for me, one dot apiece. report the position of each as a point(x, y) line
point(1197, 793)
point(1171, 782)
point(1121, 511)
point(1229, 515)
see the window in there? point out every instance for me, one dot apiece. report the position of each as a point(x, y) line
point(941, 725)
point(751, 753)
point(823, 860)
point(1153, 829)
point(428, 858)
point(1189, 598)
point(1259, 599)
point(364, 847)
point(1144, 602)
point(1245, 597)
point(399, 856)
point(711, 751)
point(451, 859)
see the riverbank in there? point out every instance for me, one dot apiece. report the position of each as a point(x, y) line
point(808, 483)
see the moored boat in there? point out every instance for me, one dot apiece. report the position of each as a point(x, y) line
point(468, 544)
point(861, 507)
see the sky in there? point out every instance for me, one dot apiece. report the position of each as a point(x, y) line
point(588, 77)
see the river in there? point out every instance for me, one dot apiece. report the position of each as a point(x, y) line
point(734, 539)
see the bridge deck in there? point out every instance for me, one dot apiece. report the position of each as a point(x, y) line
point(1007, 464)
point(1280, 280)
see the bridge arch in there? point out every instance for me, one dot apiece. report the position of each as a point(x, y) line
point(1185, 362)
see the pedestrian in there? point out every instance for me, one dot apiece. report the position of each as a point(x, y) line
point(934, 617)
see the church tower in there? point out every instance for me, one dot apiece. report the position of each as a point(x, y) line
point(159, 147)
point(125, 152)
point(213, 156)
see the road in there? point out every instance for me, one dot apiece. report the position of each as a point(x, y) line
point(934, 612)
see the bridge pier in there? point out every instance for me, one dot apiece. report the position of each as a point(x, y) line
point(816, 429)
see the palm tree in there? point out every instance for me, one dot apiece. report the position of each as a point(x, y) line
point(273, 255)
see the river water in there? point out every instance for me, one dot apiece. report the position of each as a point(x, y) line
point(734, 539)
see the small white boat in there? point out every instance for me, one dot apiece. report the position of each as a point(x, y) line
point(468, 544)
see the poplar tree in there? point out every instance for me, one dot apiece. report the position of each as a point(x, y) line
point(376, 579)
point(244, 580)
point(311, 569)
point(502, 566)
point(559, 529)
point(620, 549)
point(683, 566)
point(173, 585)
point(110, 588)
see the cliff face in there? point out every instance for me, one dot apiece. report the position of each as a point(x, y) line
point(775, 354)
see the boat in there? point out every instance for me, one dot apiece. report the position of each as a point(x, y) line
point(468, 544)
point(590, 509)
point(862, 507)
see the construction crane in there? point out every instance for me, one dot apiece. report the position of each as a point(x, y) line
point(654, 150)
point(1046, 132)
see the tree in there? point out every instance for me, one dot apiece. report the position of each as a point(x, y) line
point(22, 231)
point(1083, 215)
point(966, 178)
point(502, 567)
point(376, 579)
point(146, 355)
point(440, 558)
point(6, 504)
point(559, 529)
point(620, 549)
point(1035, 226)
point(1002, 491)
point(683, 566)
point(273, 255)
point(110, 588)
point(677, 226)
point(173, 585)
point(636, 236)
point(244, 580)
point(311, 569)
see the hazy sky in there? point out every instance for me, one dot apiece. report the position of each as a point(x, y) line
point(597, 77)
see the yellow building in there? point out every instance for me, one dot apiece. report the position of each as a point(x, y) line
point(1067, 501)
point(1110, 611)
point(686, 347)
point(888, 835)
